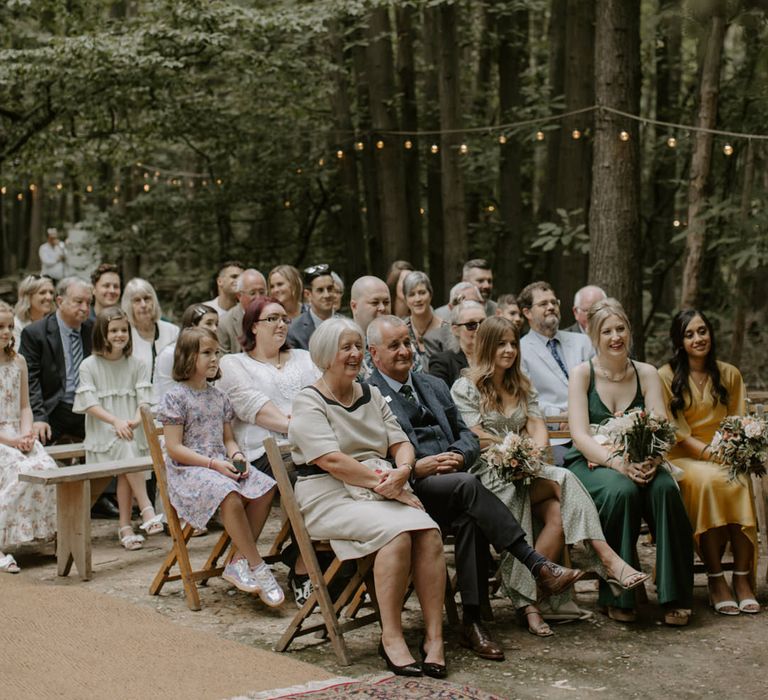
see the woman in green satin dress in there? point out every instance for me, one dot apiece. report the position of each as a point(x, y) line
point(625, 492)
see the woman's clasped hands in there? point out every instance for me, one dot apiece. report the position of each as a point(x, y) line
point(392, 487)
point(642, 473)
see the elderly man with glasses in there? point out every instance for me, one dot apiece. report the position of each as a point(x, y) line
point(548, 354)
point(320, 293)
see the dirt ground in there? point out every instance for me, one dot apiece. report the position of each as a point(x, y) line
point(715, 656)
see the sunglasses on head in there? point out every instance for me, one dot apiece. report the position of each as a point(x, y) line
point(314, 271)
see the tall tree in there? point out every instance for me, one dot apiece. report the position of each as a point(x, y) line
point(701, 159)
point(614, 216)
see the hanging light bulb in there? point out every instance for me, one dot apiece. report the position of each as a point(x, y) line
point(672, 142)
point(146, 188)
point(59, 186)
point(490, 208)
point(623, 135)
point(434, 148)
point(408, 144)
point(502, 139)
point(299, 171)
point(728, 149)
point(421, 211)
point(339, 154)
point(463, 149)
point(287, 203)
point(575, 134)
point(20, 196)
point(89, 188)
point(539, 135)
point(359, 145)
point(379, 144)
point(676, 223)
point(3, 189)
point(33, 187)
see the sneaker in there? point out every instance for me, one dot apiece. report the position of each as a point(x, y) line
point(301, 587)
point(267, 587)
point(240, 575)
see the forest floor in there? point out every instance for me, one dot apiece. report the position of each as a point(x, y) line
point(715, 656)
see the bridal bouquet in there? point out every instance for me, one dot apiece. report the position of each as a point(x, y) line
point(515, 458)
point(637, 436)
point(741, 445)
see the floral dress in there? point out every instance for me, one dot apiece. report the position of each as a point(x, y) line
point(196, 492)
point(27, 511)
point(580, 519)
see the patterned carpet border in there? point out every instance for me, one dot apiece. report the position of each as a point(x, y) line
point(377, 687)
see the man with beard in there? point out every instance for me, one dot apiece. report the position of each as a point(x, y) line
point(548, 354)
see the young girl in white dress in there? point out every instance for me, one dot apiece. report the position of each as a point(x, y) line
point(202, 459)
point(113, 385)
point(27, 511)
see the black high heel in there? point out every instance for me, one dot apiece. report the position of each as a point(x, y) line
point(429, 668)
point(412, 669)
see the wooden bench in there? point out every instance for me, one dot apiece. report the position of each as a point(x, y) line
point(77, 488)
point(67, 451)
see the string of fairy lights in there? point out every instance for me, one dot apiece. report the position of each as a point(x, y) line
point(534, 129)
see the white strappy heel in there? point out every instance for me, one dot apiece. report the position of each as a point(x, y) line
point(723, 604)
point(748, 605)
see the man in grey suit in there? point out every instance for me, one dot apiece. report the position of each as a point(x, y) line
point(459, 503)
point(548, 354)
point(582, 300)
point(249, 285)
point(320, 292)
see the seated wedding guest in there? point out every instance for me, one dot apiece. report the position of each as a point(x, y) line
point(226, 293)
point(700, 391)
point(249, 285)
point(53, 256)
point(398, 271)
point(422, 319)
point(548, 354)
point(54, 347)
point(340, 430)
point(445, 450)
point(35, 301)
point(27, 511)
point(465, 320)
point(478, 272)
point(625, 492)
point(285, 286)
point(320, 293)
point(462, 291)
point(201, 464)
point(338, 290)
point(496, 398)
point(507, 307)
point(582, 300)
point(149, 333)
point(106, 287)
point(194, 316)
point(261, 382)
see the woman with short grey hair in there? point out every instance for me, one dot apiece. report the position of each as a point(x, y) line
point(422, 320)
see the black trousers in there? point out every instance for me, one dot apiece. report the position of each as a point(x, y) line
point(64, 423)
point(462, 506)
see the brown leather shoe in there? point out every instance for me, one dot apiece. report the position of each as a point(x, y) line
point(554, 579)
point(475, 637)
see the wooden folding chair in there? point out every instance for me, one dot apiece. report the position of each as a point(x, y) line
point(179, 537)
point(320, 598)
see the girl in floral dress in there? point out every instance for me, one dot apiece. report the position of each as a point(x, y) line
point(113, 384)
point(27, 511)
point(207, 470)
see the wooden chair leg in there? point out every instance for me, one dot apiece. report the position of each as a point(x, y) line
point(216, 553)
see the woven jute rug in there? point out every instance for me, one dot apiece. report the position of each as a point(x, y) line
point(69, 642)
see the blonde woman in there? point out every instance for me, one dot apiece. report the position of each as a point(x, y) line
point(35, 301)
point(285, 285)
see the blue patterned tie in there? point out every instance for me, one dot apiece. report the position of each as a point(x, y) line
point(75, 355)
point(406, 391)
point(552, 345)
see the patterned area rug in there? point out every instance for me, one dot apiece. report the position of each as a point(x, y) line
point(380, 687)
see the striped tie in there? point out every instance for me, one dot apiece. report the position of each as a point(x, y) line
point(75, 355)
point(552, 345)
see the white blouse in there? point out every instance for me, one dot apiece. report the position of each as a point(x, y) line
point(250, 384)
point(142, 349)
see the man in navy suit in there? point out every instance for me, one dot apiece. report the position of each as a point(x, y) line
point(459, 503)
point(320, 293)
point(54, 347)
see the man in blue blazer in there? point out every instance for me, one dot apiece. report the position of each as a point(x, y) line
point(459, 503)
point(54, 347)
point(320, 293)
point(548, 354)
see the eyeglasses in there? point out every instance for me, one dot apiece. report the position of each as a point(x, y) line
point(470, 325)
point(548, 302)
point(316, 271)
point(274, 319)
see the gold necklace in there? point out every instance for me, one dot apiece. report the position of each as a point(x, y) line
point(334, 397)
point(611, 377)
point(277, 365)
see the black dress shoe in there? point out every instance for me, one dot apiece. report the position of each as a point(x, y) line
point(429, 668)
point(476, 638)
point(408, 670)
point(554, 579)
point(104, 508)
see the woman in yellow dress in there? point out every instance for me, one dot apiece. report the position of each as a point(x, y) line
point(701, 391)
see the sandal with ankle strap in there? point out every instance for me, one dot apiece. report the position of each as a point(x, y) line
point(677, 617)
point(723, 607)
point(626, 583)
point(747, 605)
point(132, 541)
point(154, 525)
point(542, 630)
point(8, 565)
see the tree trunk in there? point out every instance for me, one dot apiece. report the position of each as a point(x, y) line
point(701, 159)
point(431, 121)
point(389, 162)
point(614, 217)
point(569, 272)
point(406, 70)
point(454, 208)
point(512, 29)
point(348, 194)
point(36, 235)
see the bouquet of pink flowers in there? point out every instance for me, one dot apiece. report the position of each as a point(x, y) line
point(515, 458)
point(741, 445)
point(637, 435)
